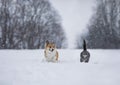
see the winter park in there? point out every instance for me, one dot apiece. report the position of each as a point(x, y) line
point(59, 42)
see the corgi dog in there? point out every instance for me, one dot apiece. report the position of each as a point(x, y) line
point(85, 55)
point(51, 54)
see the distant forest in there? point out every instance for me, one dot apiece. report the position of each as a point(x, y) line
point(103, 27)
point(27, 24)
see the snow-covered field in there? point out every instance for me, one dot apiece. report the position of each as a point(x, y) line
point(28, 67)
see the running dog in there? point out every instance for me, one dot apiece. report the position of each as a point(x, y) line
point(51, 53)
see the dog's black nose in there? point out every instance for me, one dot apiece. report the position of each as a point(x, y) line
point(52, 49)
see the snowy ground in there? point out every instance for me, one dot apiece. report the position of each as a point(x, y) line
point(27, 67)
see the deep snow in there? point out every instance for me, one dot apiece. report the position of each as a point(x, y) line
point(28, 67)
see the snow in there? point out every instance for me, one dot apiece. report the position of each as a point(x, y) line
point(28, 67)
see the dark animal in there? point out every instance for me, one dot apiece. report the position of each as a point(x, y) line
point(85, 55)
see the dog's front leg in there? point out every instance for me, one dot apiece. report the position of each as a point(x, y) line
point(57, 56)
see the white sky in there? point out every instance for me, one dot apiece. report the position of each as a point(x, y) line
point(75, 16)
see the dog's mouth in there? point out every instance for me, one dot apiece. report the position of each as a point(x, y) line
point(51, 49)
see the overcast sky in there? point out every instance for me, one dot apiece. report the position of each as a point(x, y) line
point(75, 16)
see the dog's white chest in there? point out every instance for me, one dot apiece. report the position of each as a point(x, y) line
point(51, 56)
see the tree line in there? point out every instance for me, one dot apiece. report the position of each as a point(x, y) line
point(104, 26)
point(27, 24)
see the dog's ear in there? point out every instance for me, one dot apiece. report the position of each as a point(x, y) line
point(47, 42)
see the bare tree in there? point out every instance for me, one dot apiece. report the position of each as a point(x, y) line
point(103, 27)
point(27, 24)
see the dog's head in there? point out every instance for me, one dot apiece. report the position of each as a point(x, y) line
point(50, 46)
